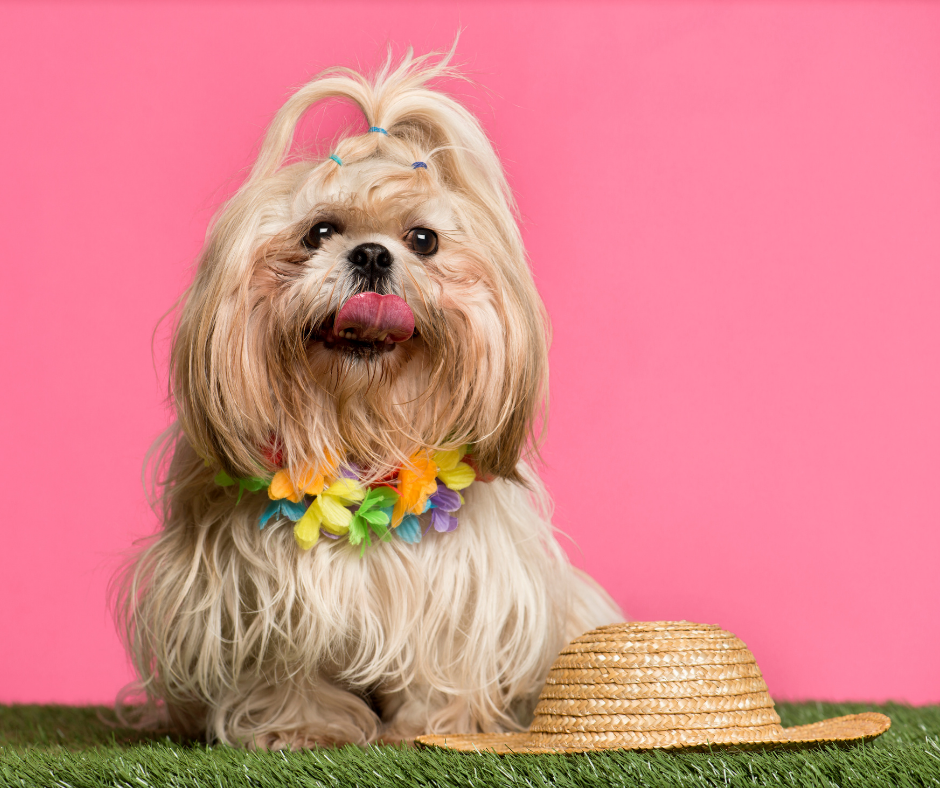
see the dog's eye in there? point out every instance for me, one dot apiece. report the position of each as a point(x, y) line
point(318, 234)
point(422, 240)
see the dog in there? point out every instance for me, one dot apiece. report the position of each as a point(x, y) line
point(364, 342)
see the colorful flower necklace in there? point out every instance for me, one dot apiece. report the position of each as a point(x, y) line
point(331, 500)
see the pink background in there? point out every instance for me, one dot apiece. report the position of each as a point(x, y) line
point(733, 213)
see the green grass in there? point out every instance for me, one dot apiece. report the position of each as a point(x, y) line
point(65, 746)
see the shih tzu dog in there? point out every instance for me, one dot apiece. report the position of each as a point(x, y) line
point(352, 546)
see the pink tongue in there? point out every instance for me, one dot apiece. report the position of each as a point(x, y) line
point(376, 318)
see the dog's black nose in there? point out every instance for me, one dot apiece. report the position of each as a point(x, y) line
point(371, 259)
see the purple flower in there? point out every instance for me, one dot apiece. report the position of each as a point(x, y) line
point(349, 471)
point(445, 498)
point(443, 521)
point(446, 503)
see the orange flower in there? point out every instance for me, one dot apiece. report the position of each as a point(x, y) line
point(310, 481)
point(416, 483)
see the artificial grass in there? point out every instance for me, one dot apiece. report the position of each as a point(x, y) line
point(68, 746)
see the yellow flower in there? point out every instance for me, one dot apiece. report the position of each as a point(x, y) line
point(330, 510)
point(447, 460)
point(455, 474)
point(307, 528)
point(416, 483)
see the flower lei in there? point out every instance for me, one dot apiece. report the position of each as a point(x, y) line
point(332, 501)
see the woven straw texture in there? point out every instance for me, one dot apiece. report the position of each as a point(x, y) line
point(659, 685)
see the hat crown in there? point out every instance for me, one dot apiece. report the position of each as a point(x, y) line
point(643, 681)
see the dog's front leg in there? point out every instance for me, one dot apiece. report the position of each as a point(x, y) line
point(418, 709)
point(297, 715)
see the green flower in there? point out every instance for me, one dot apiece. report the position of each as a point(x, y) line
point(371, 517)
point(251, 483)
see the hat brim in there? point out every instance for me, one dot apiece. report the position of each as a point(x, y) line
point(841, 731)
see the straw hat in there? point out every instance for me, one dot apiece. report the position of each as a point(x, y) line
point(659, 685)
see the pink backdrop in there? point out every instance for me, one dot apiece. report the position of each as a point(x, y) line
point(732, 212)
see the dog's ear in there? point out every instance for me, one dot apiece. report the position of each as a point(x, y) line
point(523, 394)
point(219, 380)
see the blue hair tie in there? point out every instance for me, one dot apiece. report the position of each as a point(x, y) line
point(337, 159)
point(380, 131)
point(418, 164)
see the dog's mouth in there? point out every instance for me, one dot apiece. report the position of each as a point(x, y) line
point(367, 324)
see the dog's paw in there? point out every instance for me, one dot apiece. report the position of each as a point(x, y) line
point(300, 740)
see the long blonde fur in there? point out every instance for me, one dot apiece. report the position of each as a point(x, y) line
point(235, 632)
